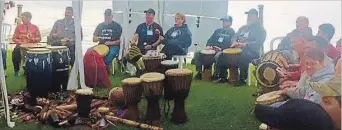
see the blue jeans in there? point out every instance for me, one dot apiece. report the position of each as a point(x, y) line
point(4, 57)
point(113, 52)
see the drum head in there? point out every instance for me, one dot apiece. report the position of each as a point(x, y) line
point(57, 47)
point(278, 57)
point(39, 50)
point(267, 75)
point(33, 45)
point(270, 97)
point(103, 50)
point(169, 62)
point(208, 52)
point(232, 51)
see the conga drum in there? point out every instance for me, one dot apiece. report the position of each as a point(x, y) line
point(169, 64)
point(231, 55)
point(101, 49)
point(84, 98)
point(152, 63)
point(60, 67)
point(153, 84)
point(270, 98)
point(179, 80)
point(116, 98)
point(132, 90)
point(25, 47)
point(39, 72)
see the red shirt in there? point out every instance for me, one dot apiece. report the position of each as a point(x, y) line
point(26, 33)
point(332, 52)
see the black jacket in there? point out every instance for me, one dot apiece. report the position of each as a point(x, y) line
point(226, 34)
point(177, 40)
point(254, 35)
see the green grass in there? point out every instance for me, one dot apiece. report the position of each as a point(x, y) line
point(209, 105)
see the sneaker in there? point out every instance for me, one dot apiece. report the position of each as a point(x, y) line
point(16, 73)
point(198, 76)
point(240, 83)
point(221, 80)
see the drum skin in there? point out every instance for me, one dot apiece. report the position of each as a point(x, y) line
point(103, 50)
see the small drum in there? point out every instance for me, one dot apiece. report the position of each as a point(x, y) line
point(264, 127)
point(132, 89)
point(231, 56)
point(208, 58)
point(178, 86)
point(152, 63)
point(116, 97)
point(60, 67)
point(153, 84)
point(39, 72)
point(84, 98)
point(270, 98)
point(169, 64)
point(102, 49)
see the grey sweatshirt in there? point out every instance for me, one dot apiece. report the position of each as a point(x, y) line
point(68, 32)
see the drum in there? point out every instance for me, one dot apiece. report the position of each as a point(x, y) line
point(152, 63)
point(116, 97)
point(25, 47)
point(102, 49)
point(282, 58)
point(231, 56)
point(270, 98)
point(169, 64)
point(84, 98)
point(60, 67)
point(264, 127)
point(178, 85)
point(153, 84)
point(208, 58)
point(132, 90)
point(39, 72)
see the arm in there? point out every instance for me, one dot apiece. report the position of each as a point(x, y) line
point(236, 35)
point(211, 40)
point(96, 34)
point(256, 41)
point(227, 43)
point(37, 37)
point(52, 38)
point(136, 34)
point(16, 38)
point(155, 44)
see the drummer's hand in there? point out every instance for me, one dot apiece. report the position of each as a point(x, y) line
point(235, 44)
point(134, 38)
point(148, 47)
point(217, 48)
point(161, 38)
point(208, 47)
point(242, 44)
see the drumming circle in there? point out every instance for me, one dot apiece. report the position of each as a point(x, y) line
point(232, 51)
point(103, 50)
point(267, 75)
point(269, 98)
point(208, 52)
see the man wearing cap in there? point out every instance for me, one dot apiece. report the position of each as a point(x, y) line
point(250, 39)
point(109, 33)
point(331, 95)
point(148, 34)
point(219, 41)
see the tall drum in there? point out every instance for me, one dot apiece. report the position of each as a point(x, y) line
point(39, 72)
point(60, 67)
point(133, 90)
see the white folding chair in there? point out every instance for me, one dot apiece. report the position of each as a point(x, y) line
point(5, 35)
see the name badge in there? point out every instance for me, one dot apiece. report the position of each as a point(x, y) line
point(174, 34)
point(149, 32)
point(220, 39)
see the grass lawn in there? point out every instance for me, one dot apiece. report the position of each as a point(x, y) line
point(209, 105)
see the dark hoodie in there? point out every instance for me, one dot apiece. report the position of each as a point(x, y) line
point(177, 37)
point(225, 33)
point(254, 35)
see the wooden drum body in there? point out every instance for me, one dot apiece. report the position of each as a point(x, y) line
point(208, 58)
point(152, 63)
point(132, 90)
point(116, 97)
point(231, 55)
point(153, 84)
point(178, 86)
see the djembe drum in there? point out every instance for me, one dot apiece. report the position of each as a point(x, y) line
point(102, 49)
point(266, 70)
point(264, 127)
point(153, 85)
point(179, 80)
point(152, 62)
point(132, 89)
point(231, 55)
point(60, 67)
point(270, 98)
point(116, 97)
point(39, 73)
point(168, 64)
point(84, 98)
point(207, 61)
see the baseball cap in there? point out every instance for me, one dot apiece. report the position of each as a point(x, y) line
point(108, 12)
point(227, 19)
point(295, 114)
point(150, 11)
point(330, 88)
point(252, 12)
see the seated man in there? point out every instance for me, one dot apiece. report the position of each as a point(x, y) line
point(250, 39)
point(315, 71)
point(331, 95)
point(109, 33)
point(220, 40)
point(327, 32)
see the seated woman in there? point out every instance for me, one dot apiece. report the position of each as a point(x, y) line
point(315, 71)
point(178, 38)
